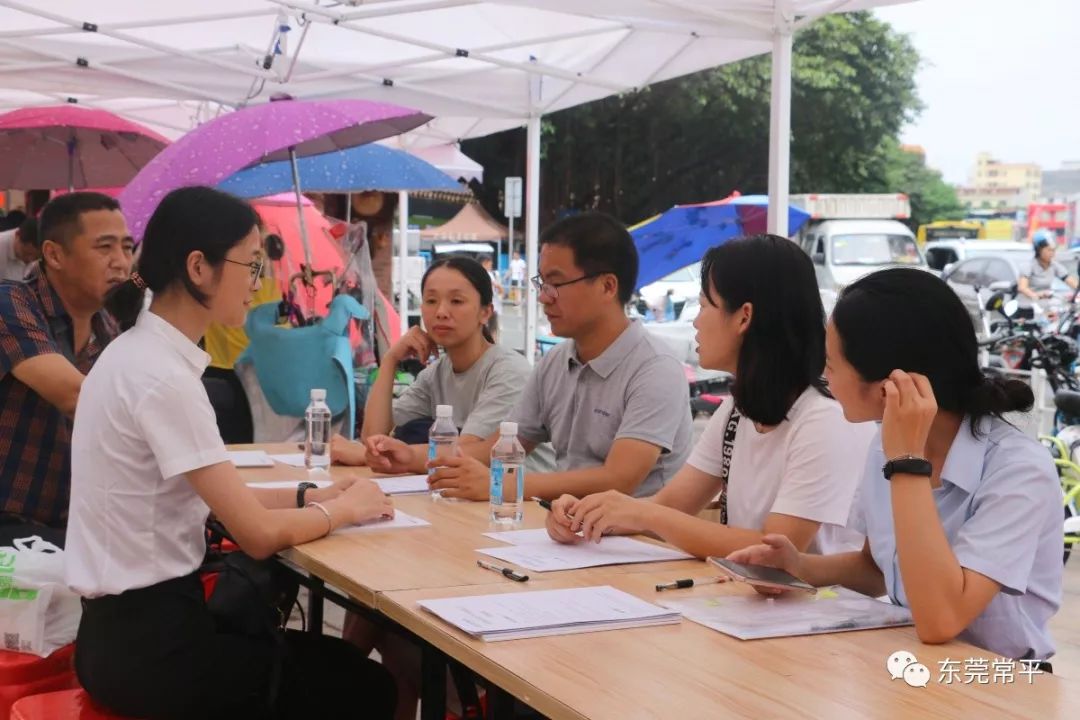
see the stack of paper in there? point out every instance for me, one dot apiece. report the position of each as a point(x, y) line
point(511, 616)
point(250, 458)
point(403, 485)
point(400, 520)
point(750, 617)
point(533, 549)
point(291, 459)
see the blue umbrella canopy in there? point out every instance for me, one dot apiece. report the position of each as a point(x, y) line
point(366, 167)
point(681, 236)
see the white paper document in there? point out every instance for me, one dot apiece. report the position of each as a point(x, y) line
point(509, 616)
point(278, 484)
point(291, 459)
point(404, 485)
point(520, 537)
point(751, 617)
point(400, 520)
point(250, 458)
point(533, 549)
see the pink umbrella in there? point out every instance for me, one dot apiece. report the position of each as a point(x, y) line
point(278, 213)
point(272, 131)
point(73, 147)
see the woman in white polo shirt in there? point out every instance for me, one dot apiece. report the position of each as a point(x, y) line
point(961, 510)
point(148, 465)
point(795, 461)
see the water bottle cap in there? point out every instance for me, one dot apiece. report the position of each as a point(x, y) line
point(508, 428)
point(444, 411)
point(318, 394)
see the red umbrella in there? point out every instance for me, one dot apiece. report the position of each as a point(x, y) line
point(71, 146)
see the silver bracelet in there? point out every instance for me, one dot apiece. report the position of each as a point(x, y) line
point(329, 520)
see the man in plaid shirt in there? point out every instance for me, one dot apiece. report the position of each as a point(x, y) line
point(52, 329)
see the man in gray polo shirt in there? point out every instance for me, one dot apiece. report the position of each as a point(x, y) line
point(611, 400)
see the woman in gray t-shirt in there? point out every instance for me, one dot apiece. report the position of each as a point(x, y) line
point(1038, 281)
point(480, 379)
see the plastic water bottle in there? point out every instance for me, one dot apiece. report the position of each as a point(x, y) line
point(507, 477)
point(442, 438)
point(317, 438)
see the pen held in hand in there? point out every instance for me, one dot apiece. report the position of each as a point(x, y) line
point(546, 504)
point(504, 571)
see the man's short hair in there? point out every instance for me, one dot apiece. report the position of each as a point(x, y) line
point(28, 233)
point(12, 220)
point(601, 244)
point(60, 220)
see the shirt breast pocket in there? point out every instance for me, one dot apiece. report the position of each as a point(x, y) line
point(602, 424)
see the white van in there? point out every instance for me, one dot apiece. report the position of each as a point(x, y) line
point(845, 250)
point(853, 234)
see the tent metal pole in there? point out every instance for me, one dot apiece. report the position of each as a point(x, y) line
point(403, 256)
point(185, 90)
point(780, 121)
point(168, 50)
point(532, 231)
point(716, 14)
point(300, 211)
point(138, 24)
point(342, 72)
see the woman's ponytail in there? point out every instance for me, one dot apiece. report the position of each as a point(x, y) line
point(125, 301)
point(995, 395)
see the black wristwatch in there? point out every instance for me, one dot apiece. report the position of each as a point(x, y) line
point(907, 465)
point(301, 490)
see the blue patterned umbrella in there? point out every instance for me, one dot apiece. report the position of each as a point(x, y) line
point(682, 235)
point(366, 167)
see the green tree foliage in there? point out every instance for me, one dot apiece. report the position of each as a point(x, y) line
point(700, 137)
point(931, 197)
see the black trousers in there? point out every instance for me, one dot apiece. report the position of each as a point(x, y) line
point(157, 653)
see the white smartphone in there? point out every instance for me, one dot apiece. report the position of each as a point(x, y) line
point(761, 575)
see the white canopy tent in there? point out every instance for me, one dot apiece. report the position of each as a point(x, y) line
point(447, 158)
point(478, 66)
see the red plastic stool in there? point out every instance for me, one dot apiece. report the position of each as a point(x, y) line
point(23, 674)
point(62, 705)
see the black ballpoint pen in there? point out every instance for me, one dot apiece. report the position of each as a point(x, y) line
point(504, 571)
point(546, 504)
point(687, 583)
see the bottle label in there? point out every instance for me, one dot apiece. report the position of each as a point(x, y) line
point(431, 455)
point(497, 482)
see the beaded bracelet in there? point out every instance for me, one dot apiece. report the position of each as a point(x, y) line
point(329, 521)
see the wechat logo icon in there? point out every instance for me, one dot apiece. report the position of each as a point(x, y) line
point(902, 665)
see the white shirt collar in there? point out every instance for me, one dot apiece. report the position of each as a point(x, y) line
point(161, 327)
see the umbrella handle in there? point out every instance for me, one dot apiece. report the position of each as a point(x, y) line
point(307, 277)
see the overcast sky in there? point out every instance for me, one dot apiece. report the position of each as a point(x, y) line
point(997, 75)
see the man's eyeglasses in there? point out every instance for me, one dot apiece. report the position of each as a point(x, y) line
point(255, 267)
point(552, 289)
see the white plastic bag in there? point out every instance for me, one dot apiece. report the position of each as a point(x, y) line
point(38, 613)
